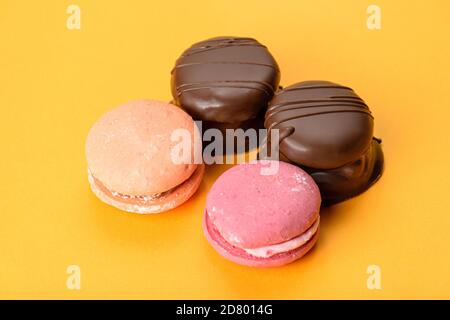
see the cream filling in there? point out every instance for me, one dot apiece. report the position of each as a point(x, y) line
point(127, 197)
point(268, 251)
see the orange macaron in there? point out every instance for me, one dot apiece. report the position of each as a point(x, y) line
point(130, 155)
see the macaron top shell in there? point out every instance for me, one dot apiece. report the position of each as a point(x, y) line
point(129, 148)
point(252, 210)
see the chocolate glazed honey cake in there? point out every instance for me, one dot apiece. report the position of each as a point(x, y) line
point(327, 129)
point(227, 82)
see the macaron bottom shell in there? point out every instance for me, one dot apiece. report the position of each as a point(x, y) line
point(174, 198)
point(239, 256)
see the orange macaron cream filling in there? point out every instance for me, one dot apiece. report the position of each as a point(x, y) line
point(147, 199)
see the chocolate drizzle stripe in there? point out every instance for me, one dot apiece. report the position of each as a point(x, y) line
point(262, 83)
point(344, 105)
point(347, 97)
point(224, 39)
point(225, 62)
point(341, 107)
point(193, 51)
point(225, 43)
point(312, 101)
point(266, 87)
point(314, 87)
point(316, 114)
point(179, 93)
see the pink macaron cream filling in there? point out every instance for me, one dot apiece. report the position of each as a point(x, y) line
point(297, 242)
point(240, 256)
point(274, 249)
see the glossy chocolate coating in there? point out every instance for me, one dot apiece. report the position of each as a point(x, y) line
point(327, 129)
point(339, 184)
point(225, 81)
point(329, 125)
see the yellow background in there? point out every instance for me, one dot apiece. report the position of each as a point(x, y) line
point(55, 83)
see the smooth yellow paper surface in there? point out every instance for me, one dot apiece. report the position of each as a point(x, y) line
point(55, 83)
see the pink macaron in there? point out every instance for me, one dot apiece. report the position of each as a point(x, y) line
point(263, 218)
point(131, 162)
